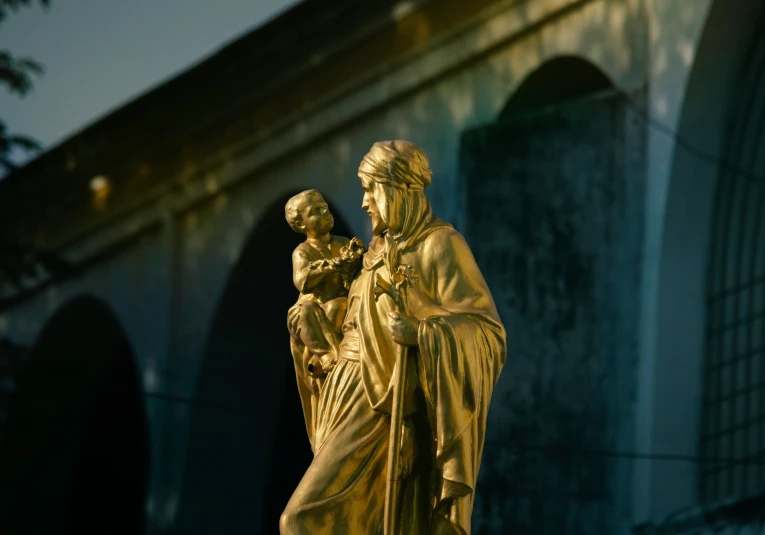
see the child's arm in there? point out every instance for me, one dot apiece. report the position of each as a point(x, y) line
point(306, 274)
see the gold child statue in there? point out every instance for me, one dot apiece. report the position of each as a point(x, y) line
point(397, 419)
point(322, 268)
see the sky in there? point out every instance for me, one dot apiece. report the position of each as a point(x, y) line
point(100, 54)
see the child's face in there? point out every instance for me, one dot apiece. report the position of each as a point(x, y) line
point(317, 219)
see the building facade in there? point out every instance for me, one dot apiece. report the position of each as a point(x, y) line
point(604, 159)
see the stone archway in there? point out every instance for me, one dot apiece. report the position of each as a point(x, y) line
point(671, 376)
point(248, 446)
point(74, 458)
point(553, 202)
point(561, 79)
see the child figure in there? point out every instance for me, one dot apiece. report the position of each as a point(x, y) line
point(322, 269)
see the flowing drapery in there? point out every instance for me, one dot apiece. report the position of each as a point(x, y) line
point(460, 352)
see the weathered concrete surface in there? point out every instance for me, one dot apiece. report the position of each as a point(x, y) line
point(554, 205)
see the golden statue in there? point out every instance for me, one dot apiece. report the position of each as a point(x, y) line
point(323, 267)
point(403, 350)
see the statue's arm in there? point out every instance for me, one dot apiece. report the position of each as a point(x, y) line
point(307, 274)
point(461, 351)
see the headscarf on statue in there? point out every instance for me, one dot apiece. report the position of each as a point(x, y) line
point(403, 167)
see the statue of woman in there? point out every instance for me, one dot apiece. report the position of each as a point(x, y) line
point(456, 347)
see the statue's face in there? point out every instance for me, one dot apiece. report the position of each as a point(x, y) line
point(316, 217)
point(374, 204)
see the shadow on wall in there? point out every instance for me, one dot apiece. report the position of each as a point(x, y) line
point(74, 456)
point(553, 202)
point(248, 446)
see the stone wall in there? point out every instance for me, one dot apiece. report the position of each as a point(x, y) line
point(553, 210)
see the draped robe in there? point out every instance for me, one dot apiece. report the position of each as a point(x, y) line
point(453, 369)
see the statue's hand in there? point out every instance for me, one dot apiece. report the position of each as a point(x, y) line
point(323, 266)
point(404, 328)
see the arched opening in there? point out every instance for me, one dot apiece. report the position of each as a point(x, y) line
point(74, 457)
point(673, 374)
point(559, 80)
point(553, 213)
point(248, 447)
point(733, 415)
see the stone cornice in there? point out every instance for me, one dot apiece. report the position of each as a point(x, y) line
point(463, 42)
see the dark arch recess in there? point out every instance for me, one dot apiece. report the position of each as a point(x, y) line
point(74, 458)
point(558, 80)
point(248, 447)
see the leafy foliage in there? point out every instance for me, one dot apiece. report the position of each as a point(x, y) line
point(20, 264)
point(13, 5)
point(16, 75)
point(10, 142)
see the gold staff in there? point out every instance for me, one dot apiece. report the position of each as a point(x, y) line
point(402, 277)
